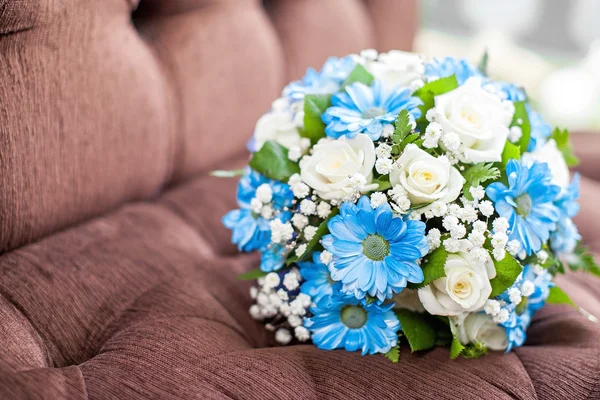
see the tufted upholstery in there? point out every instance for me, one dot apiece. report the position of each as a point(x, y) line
point(117, 279)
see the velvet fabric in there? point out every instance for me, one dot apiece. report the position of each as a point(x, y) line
point(117, 279)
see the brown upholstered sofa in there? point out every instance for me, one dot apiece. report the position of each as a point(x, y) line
point(117, 279)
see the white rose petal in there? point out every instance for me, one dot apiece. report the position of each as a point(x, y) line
point(481, 328)
point(279, 125)
point(426, 178)
point(465, 288)
point(333, 162)
point(549, 153)
point(478, 117)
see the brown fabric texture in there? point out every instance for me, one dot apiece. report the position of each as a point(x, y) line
point(117, 279)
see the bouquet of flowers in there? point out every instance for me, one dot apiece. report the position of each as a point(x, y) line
point(398, 199)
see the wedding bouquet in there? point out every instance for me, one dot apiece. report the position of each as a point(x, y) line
point(394, 199)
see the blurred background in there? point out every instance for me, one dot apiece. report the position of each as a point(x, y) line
point(551, 47)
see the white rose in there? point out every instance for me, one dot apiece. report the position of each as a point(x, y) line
point(479, 119)
point(481, 328)
point(426, 178)
point(409, 300)
point(396, 68)
point(333, 162)
point(466, 286)
point(280, 124)
point(549, 153)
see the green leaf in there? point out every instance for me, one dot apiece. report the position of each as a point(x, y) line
point(522, 116)
point(478, 174)
point(221, 173)
point(321, 231)
point(557, 296)
point(394, 354)
point(314, 106)
point(563, 143)
point(403, 127)
point(427, 95)
point(358, 74)
point(420, 334)
point(483, 63)
point(582, 260)
point(433, 267)
point(456, 348)
point(251, 275)
point(507, 272)
point(510, 152)
point(272, 161)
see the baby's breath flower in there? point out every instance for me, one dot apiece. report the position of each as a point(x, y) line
point(323, 209)
point(308, 207)
point(451, 245)
point(301, 333)
point(431, 115)
point(451, 141)
point(255, 312)
point(267, 212)
point(300, 250)
point(433, 238)
point(294, 153)
point(325, 257)
point(387, 131)
point(514, 294)
point(299, 221)
point(515, 133)
point(527, 288)
point(500, 224)
point(383, 151)
point(513, 247)
point(272, 280)
point(450, 222)
point(502, 316)
point(492, 307)
point(479, 254)
point(478, 192)
point(294, 321)
point(283, 336)
point(290, 281)
point(309, 232)
point(458, 231)
point(479, 226)
point(377, 199)
point(439, 208)
point(499, 253)
point(542, 256)
point(283, 295)
point(300, 190)
point(264, 193)
point(281, 232)
point(499, 240)
point(487, 208)
point(256, 205)
point(384, 165)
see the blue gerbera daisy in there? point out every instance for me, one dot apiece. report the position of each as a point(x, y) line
point(540, 129)
point(442, 68)
point(349, 323)
point(327, 81)
point(565, 238)
point(250, 230)
point(527, 203)
point(364, 109)
point(317, 280)
point(521, 314)
point(373, 252)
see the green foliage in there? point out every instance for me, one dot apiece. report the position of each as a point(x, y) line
point(251, 275)
point(510, 152)
point(433, 267)
point(557, 296)
point(221, 173)
point(474, 350)
point(507, 272)
point(478, 174)
point(522, 115)
point(419, 333)
point(483, 63)
point(321, 231)
point(563, 142)
point(428, 92)
point(314, 106)
point(394, 354)
point(272, 161)
point(402, 133)
point(456, 348)
point(358, 74)
point(583, 260)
